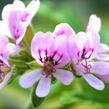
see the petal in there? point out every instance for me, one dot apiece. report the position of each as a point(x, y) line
point(27, 80)
point(76, 45)
point(43, 87)
point(17, 5)
point(32, 8)
point(103, 48)
point(61, 46)
point(5, 81)
point(5, 30)
point(94, 24)
point(66, 77)
point(64, 29)
point(43, 42)
point(13, 49)
point(104, 78)
point(5, 58)
point(94, 82)
point(100, 68)
point(3, 44)
point(102, 57)
point(17, 30)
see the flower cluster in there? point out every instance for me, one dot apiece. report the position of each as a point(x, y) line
point(81, 53)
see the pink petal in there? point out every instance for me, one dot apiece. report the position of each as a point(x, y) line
point(17, 30)
point(33, 5)
point(43, 87)
point(13, 49)
point(3, 44)
point(103, 48)
point(76, 45)
point(64, 29)
point(27, 80)
point(93, 41)
point(5, 30)
point(94, 82)
point(43, 42)
point(17, 5)
point(5, 58)
point(104, 78)
point(66, 77)
point(61, 46)
point(5, 81)
point(100, 68)
point(94, 24)
point(102, 57)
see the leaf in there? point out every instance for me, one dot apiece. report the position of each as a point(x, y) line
point(90, 94)
point(33, 65)
point(36, 101)
point(27, 38)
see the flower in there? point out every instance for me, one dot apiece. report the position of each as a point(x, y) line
point(16, 18)
point(86, 54)
point(5, 68)
point(51, 54)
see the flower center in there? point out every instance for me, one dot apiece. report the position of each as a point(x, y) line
point(85, 55)
point(49, 62)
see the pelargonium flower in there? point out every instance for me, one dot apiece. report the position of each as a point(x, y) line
point(51, 54)
point(86, 53)
point(6, 49)
point(16, 17)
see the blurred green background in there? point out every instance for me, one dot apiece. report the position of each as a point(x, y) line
point(79, 95)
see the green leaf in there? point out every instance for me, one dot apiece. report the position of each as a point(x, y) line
point(27, 38)
point(36, 101)
point(89, 94)
point(33, 65)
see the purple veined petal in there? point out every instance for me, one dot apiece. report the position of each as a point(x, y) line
point(94, 24)
point(43, 87)
point(5, 81)
point(103, 48)
point(76, 45)
point(17, 29)
point(13, 49)
point(41, 43)
point(23, 31)
point(102, 57)
point(100, 68)
point(31, 10)
point(66, 77)
point(93, 41)
point(64, 29)
point(27, 80)
point(17, 5)
point(94, 82)
point(61, 46)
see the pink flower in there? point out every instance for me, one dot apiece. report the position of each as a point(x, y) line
point(16, 17)
point(5, 68)
point(51, 54)
point(84, 48)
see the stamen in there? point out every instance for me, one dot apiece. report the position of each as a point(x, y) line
point(84, 56)
point(40, 58)
point(57, 62)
